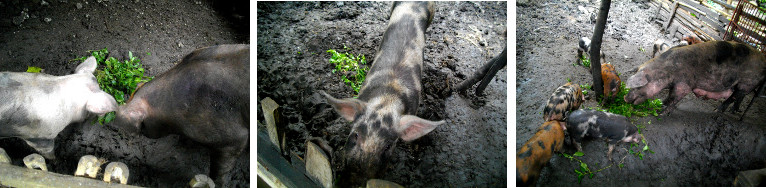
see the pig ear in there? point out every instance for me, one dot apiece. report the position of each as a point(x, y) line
point(412, 127)
point(637, 80)
point(87, 67)
point(101, 103)
point(347, 108)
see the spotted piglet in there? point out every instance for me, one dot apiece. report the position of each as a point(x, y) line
point(597, 124)
point(566, 98)
point(537, 151)
point(611, 81)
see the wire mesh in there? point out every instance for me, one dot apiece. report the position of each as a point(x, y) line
point(747, 25)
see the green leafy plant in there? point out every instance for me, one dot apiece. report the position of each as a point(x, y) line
point(352, 68)
point(118, 78)
point(585, 61)
point(33, 69)
point(618, 105)
point(584, 170)
point(640, 153)
point(585, 89)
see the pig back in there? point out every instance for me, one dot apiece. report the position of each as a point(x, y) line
point(398, 64)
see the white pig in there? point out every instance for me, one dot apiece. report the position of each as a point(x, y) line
point(36, 107)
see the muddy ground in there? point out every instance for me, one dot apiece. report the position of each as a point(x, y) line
point(693, 146)
point(468, 151)
point(47, 34)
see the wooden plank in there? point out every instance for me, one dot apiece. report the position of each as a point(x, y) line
point(16, 176)
point(672, 15)
point(275, 170)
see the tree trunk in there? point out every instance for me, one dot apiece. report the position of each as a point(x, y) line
point(595, 48)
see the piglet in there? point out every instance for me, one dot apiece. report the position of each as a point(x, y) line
point(611, 81)
point(566, 98)
point(36, 107)
point(537, 151)
point(597, 124)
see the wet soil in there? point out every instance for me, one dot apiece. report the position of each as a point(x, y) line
point(694, 146)
point(49, 33)
point(468, 151)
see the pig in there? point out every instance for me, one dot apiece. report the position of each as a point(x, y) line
point(205, 97)
point(584, 46)
point(36, 107)
point(611, 81)
point(385, 108)
point(716, 70)
point(691, 39)
point(660, 46)
point(537, 151)
point(597, 124)
point(565, 99)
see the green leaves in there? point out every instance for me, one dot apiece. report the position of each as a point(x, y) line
point(118, 78)
point(351, 68)
point(585, 61)
point(578, 154)
point(619, 106)
point(33, 69)
point(583, 169)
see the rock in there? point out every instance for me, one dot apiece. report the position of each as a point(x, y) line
point(750, 178)
point(79, 5)
point(201, 181)
point(116, 170)
point(4, 157)
point(35, 160)
point(318, 164)
point(180, 45)
point(17, 20)
point(378, 183)
point(89, 166)
point(43, 3)
point(47, 20)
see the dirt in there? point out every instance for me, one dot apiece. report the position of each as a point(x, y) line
point(694, 146)
point(49, 33)
point(468, 151)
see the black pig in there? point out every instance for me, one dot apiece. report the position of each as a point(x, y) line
point(597, 124)
point(205, 97)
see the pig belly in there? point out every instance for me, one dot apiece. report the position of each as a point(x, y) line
point(712, 95)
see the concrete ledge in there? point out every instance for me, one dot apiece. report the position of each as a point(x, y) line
point(16, 176)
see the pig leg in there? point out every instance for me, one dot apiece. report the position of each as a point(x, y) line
point(222, 160)
point(677, 92)
point(738, 96)
point(42, 145)
point(609, 152)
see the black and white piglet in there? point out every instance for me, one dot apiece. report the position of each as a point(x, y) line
point(597, 124)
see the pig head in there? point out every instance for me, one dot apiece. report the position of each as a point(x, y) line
point(36, 107)
point(384, 110)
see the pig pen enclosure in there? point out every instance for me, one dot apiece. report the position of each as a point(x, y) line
point(693, 146)
point(49, 33)
point(469, 150)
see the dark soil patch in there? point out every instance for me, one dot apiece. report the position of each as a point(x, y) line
point(468, 151)
point(56, 31)
point(693, 146)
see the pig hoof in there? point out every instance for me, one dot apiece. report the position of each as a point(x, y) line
point(201, 181)
point(89, 166)
point(116, 171)
point(35, 160)
point(4, 157)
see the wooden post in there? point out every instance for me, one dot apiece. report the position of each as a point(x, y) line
point(595, 48)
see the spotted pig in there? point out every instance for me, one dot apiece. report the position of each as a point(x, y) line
point(537, 151)
point(385, 109)
point(611, 81)
point(597, 124)
point(716, 70)
point(566, 98)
